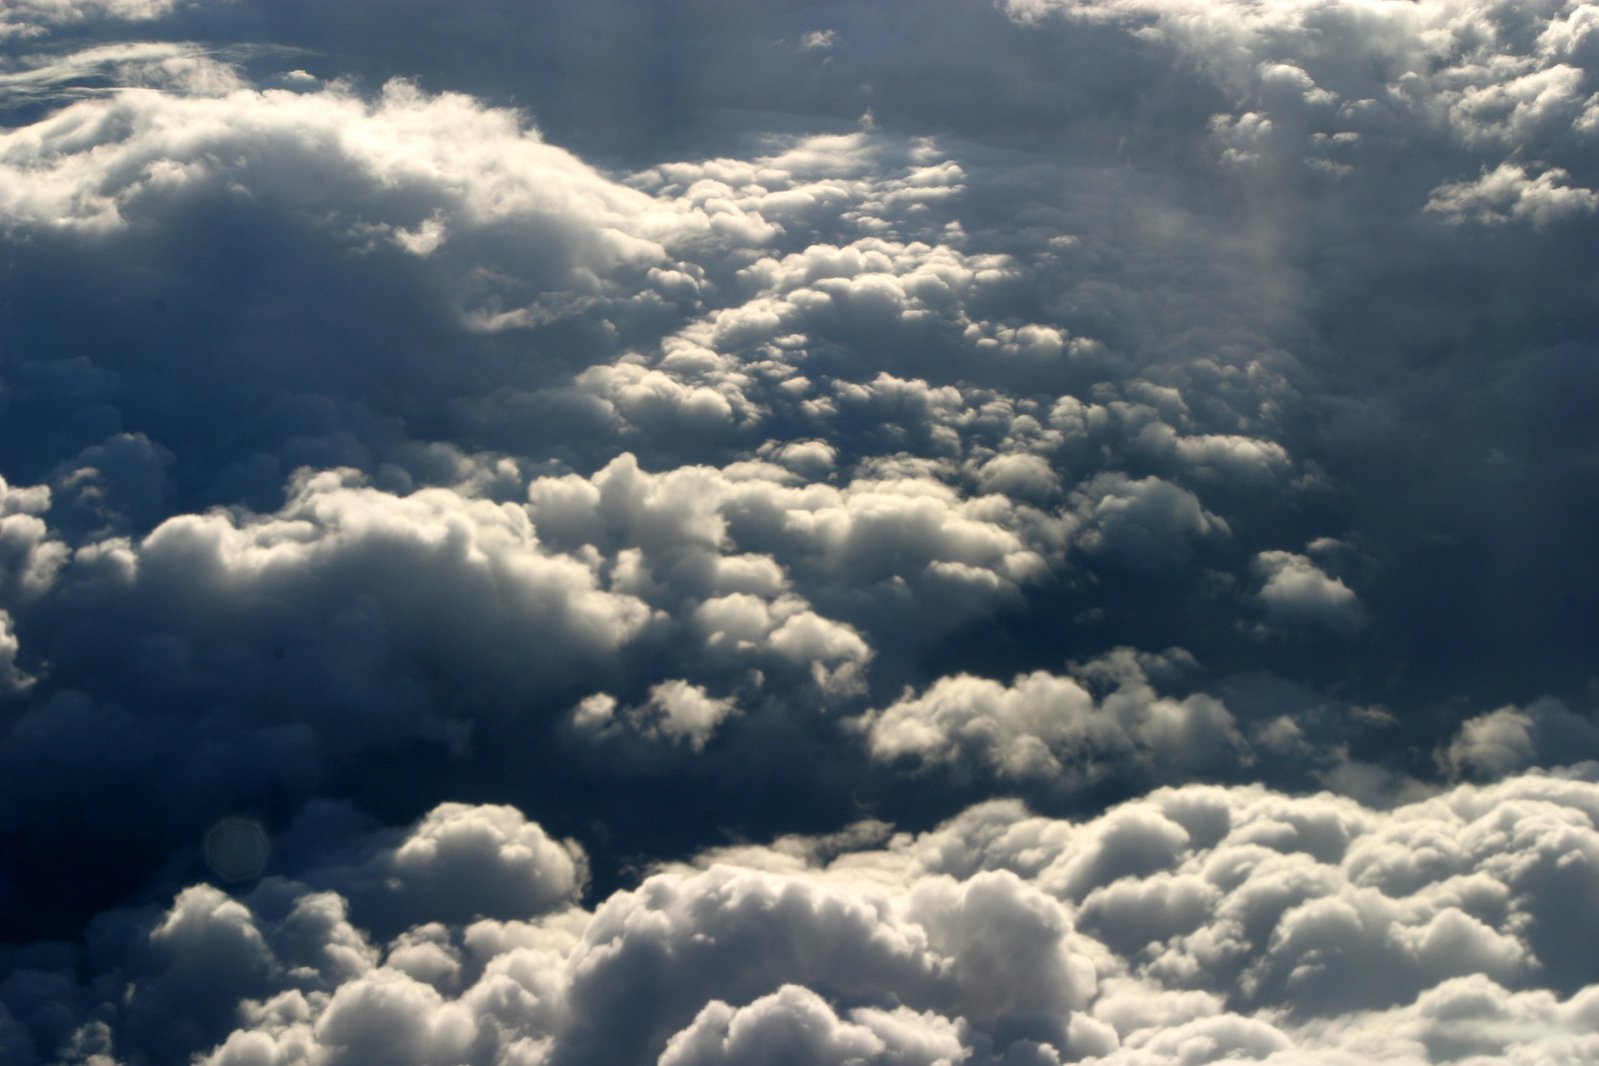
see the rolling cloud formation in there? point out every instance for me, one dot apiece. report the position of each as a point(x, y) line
point(951, 533)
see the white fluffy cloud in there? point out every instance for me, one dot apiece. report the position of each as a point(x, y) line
point(1510, 192)
point(795, 1025)
point(1046, 727)
point(1491, 104)
point(1193, 923)
point(29, 555)
point(1297, 591)
point(463, 862)
point(419, 172)
point(432, 569)
point(1147, 523)
point(742, 536)
point(1486, 71)
point(33, 18)
point(676, 711)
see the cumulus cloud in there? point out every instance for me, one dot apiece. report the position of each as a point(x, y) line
point(1510, 192)
point(1510, 739)
point(1297, 591)
point(360, 554)
point(1146, 523)
point(1236, 921)
point(676, 711)
point(820, 40)
point(794, 1024)
point(718, 533)
point(463, 862)
point(104, 164)
point(1487, 72)
point(33, 18)
point(1048, 727)
point(432, 442)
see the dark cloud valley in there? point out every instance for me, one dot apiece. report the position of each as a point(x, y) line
point(965, 532)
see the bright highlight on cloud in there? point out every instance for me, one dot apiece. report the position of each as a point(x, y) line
point(1026, 533)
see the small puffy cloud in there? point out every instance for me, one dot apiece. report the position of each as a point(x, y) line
point(651, 400)
point(33, 18)
point(1145, 523)
point(676, 711)
point(30, 556)
point(819, 40)
point(1019, 475)
point(13, 678)
point(1048, 728)
point(1298, 592)
point(463, 862)
point(1493, 744)
point(1232, 455)
point(1511, 739)
point(1509, 192)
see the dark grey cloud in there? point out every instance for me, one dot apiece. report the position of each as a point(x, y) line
point(667, 427)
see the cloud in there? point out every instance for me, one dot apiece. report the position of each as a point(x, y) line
point(1193, 920)
point(102, 164)
point(433, 441)
point(794, 1024)
point(352, 556)
point(1145, 523)
point(718, 533)
point(676, 711)
point(463, 862)
point(1048, 727)
point(819, 40)
point(1511, 739)
point(12, 678)
point(31, 558)
point(1510, 192)
point(34, 18)
point(1297, 591)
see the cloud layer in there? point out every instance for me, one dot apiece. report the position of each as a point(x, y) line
point(1107, 488)
point(1195, 924)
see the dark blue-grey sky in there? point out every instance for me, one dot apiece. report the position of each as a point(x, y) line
point(698, 532)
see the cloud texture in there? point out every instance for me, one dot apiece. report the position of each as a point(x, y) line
point(1195, 924)
point(956, 532)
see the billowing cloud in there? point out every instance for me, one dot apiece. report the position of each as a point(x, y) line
point(1240, 920)
point(33, 18)
point(1484, 72)
point(467, 482)
point(1049, 727)
point(1509, 192)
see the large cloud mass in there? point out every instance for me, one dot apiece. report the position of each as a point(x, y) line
point(1195, 924)
point(1103, 490)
